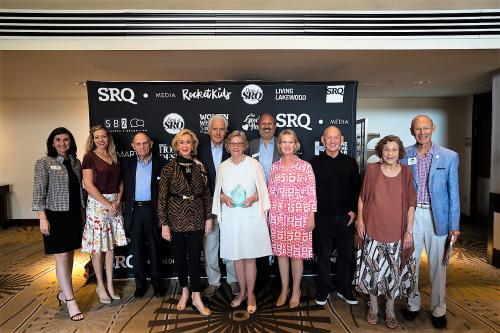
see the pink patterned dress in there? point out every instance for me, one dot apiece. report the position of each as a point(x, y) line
point(292, 191)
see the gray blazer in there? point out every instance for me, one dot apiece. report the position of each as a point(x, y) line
point(253, 148)
point(50, 186)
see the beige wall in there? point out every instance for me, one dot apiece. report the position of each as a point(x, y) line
point(26, 123)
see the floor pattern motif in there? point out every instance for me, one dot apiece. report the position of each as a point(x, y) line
point(28, 302)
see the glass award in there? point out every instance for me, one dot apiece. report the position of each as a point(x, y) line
point(239, 195)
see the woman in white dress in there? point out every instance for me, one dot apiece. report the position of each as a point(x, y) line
point(241, 202)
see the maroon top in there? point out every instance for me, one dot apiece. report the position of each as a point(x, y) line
point(106, 176)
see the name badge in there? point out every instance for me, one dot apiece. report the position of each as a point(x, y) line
point(255, 155)
point(412, 160)
point(55, 167)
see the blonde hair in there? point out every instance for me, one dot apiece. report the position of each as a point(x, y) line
point(233, 134)
point(293, 135)
point(110, 149)
point(177, 137)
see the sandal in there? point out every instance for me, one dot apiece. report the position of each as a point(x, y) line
point(202, 309)
point(372, 316)
point(181, 306)
point(77, 316)
point(237, 301)
point(390, 319)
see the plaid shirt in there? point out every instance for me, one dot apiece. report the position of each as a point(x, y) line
point(50, 187)
point(423, 168)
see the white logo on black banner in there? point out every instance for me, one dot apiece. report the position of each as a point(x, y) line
point(116, 95)
point(205, 117)
point(173, 123)
point(125, 153)
point(136, 123)
point(286, 94)
point(339, 121)
point(166, 151)
point(210, 93)
point(335, 94)
point(165, 94)
point(251, 122)
point(302, 120)
point(252, 94)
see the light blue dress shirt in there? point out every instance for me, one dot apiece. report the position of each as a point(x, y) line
point(216, 155)
point(266, 157)
point(143, 179)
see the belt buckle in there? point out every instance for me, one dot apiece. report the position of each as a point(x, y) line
point(140, 203)
point(187, 197)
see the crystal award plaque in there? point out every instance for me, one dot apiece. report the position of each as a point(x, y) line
point(239, 195)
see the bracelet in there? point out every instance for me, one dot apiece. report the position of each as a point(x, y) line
point(410, 232)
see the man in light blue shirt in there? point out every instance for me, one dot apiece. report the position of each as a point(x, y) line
point(265, 148)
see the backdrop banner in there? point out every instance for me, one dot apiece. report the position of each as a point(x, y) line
point(164, 108)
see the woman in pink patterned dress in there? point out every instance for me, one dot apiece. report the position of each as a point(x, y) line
point(292, 192)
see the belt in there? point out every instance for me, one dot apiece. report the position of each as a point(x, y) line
point(185, 197)
point(143, 203)
point(423, 205)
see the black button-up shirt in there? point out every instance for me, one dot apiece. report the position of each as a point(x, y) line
point(337, 184)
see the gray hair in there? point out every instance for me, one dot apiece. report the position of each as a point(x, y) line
point(234, 134)
point(215, 117)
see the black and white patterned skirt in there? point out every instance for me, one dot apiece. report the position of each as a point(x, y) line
point(378, 272)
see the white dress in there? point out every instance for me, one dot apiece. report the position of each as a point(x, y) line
point(243, 231)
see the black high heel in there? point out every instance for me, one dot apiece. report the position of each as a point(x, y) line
point(60, 300)
point(73, 317)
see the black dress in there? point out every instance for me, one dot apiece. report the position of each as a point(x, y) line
point(66, 227)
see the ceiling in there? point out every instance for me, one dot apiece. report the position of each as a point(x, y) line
point(53, 74)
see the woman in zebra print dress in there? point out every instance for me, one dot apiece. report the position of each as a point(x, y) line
point(385, 265)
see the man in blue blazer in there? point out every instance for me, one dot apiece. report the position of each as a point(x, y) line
point(437, 216)
point(212, 155)
point(141, 176)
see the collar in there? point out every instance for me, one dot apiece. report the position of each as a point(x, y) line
point(60, 159)
point(213, 146)
point(146, 161)
point(270, 142)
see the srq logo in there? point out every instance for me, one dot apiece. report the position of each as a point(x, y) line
point(116, 95)
point(292, 120)
point(335, 94)
point(252, 94)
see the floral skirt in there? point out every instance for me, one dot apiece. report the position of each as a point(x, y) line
point(378, 272)
point(103, 231)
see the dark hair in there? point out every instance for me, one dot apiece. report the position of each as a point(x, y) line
point(390, 138)
point(51, 150)
point(141, 132)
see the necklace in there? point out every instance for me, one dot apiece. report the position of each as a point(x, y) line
point(236, 163)
point(187, 166)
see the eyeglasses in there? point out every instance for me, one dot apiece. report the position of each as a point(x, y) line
point(234, 144)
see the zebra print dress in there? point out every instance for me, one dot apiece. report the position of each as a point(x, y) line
point(378, 270)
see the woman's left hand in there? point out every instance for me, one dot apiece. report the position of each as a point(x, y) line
point(113, 209)
point(208, 226)
point(310, 223)
point(407, 240)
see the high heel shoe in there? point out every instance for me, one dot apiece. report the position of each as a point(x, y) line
point(60, 300)
point(293, 305)
point(281, 301)
point(77, 316)
point(251, 308)
point(103, 300)
point(202, 309)
point(181, 306)
point(115, 296)
point(237, 301)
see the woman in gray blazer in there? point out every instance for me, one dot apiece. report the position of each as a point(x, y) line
point(57, 197)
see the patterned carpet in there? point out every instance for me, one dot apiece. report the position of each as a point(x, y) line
point(28, 303)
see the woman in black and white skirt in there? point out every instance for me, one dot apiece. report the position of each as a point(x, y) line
point(57, 197)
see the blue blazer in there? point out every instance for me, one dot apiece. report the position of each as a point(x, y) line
point(443, 187)
point(205, 156)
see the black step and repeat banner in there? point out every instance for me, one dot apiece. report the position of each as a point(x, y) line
point(164, 108)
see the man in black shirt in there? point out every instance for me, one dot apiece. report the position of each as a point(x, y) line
point(337, 188)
